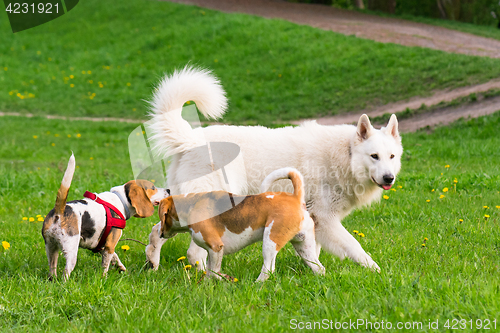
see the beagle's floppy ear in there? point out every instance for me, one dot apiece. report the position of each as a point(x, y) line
point(139, 199)
point(365, 128)
point(165, 212)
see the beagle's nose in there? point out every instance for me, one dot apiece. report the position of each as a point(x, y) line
point(388, 178)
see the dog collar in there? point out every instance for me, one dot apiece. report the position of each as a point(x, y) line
point(124, 203)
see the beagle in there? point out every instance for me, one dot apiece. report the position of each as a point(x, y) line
point(223, 223)
point(86, 223)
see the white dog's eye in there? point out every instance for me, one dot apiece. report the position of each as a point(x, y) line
point(392, 156)
point(374, 156)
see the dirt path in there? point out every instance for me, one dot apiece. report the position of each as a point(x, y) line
point(382, 29)
point(439, 117)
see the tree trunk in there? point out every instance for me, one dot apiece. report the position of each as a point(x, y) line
point(359, 4)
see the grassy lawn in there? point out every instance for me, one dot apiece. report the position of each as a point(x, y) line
point(455, 276)
point(103, 60)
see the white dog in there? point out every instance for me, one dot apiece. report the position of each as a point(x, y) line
point(344, 166)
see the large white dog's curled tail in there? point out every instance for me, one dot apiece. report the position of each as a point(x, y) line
point(171, 134)
point(286, 173)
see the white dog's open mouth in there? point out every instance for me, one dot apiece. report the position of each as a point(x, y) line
point(385, 186)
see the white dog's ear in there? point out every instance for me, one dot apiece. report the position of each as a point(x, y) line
point(364, 127)
point(392, 127)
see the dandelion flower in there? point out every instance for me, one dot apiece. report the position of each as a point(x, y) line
point(455, 180)
point(91, 158)
point(393, 189)
point(53, 144)
point(129, 84)
point(486, 216)
point(460, 220)
point(361, 234)
point(235, 280)
point(187, 267)
point(134, 109)
point(78, 135)
point(40, 219)
point(426, 239)
point(72, 85)
point(498, 207)
point(181, 258)
point(427, 200)
point(25, 218)
point(71, 76)
point(197, 263)
point(447, 166)
point(385, 197)
point(432, 190)
point(400, 186)
point(441, 196)
point(5, 69)
point(69, 135)
point(486, 207)
point(35, 136)
point(5, 245)
point(355, 231)
point(89, 72)
point(423, 245)
point(125, 247)
point(31, 219)
point(445, 189)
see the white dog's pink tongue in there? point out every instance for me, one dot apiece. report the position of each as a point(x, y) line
point(386, 187)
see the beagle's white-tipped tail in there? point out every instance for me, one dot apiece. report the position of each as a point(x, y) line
point(62, 193)
point(171, 134)
point(286, 173)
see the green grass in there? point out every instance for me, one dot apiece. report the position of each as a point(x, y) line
point(273, 70)
point(454, 276)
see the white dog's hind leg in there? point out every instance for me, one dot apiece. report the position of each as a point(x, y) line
point(197, 254)
point(305, 245)
point(214, 263)
point(337, 240)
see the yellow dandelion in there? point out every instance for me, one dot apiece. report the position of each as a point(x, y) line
point(393, 189)
point(5, 69)
point(89, 72)
point(447, 166)
point(486, 216)
point(78, 135)
point(83, 72)
point(5, 245)
point(134, 109)
point(35, 136)
point(91, 81)
point(91, 158)
point(125, 247)
point(386, 197)
point(72, 85)
point(355, 231)
point(455, 180)
point(427, 200)
point(71, 76)
point(31, 219)
point(486, 207)
point(445, 189)
point(235, 280)
point(56, 135)
point(38, 52)
point(69, 135)
point(216, 60)
point(361, 234)
point(426, 239)
point(181, 258)
point(197, 263)
point(187, 267)
point(25, 218)
point(53, 144)
point(498, 207)
point(40, 219)
point(432, 190)
point(49, 59)
point(460, 220)
point(38, 215)
point(129, 84)
point(441, 196)
point(423, 245)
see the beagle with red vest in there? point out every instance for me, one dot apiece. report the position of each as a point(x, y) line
point(95, 222)
point(223, 223)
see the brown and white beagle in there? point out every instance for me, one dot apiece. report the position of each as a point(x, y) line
point(223, 223)
point(82, 223)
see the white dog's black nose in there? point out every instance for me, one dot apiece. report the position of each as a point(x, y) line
point(388, 179)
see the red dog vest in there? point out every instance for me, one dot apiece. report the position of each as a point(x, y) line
point(111, 222)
